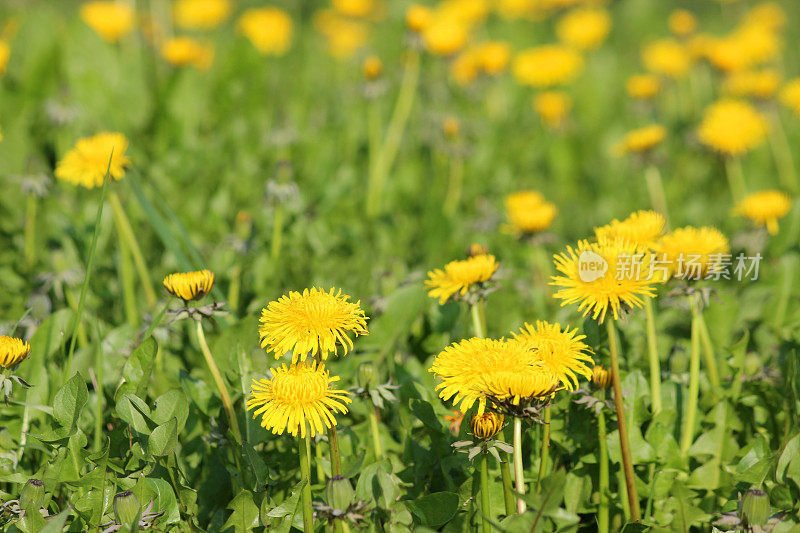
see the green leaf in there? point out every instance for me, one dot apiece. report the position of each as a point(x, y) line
point(790, 452)
point(171, 404)
point(245, 513)
point(69, 401)
point(434, 509)
point(56, 523)
point(286, 511)
point(163, 439)
point(138, 367)
point(134, 411)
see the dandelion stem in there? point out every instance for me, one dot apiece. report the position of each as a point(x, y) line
point(31, 205)
point(625, 446)
point(127, 282)
point(708, 350)
point(454, 185)
point(304, 444)
point(652, 351)
point(333, 442)
point(603, 479)
point(126, 233)
point(373, 426)
point(508, 493)
point(485, 506)
point(234, 289)
point(733, 170)
point(787, 283)
point(519, 476)
point(694, 381)
point(783, 156)
point(223, 391)
point(545, 453)
point(655, 188)
point(479, 318)
point(100, 400)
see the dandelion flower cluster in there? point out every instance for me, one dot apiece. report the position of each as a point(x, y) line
point(761, 84)
point(585, 29)
point(682, 22)
point(643, 228)
point(529, 212)
point(667, 57)
point(692, 253)
point(458, 277)
point(732, 127)
point(552, 107)
point(418, 17)
point(200, 14)
point(189, 285)
point(641, 140)
point(765, 208)
point(561, 352)
point(12, 351)
point(269, 29)
point(344, 36)
point(547, 66)
point(110, 19)
point(445, 36)
point(643, 86)
point(790, 95)
point(314, 322)
point(185, 51)
point(298, 400)
point(87, 163)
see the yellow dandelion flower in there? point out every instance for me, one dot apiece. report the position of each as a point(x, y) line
point(753, 83)
point(372, 68)
point(313, 323)
point(200, 14)
point(769, 15)
point(298, 400)
point(12, 351)
point(459, 276)
point(552, 107)
point(641, 140)
point(790, 95)
point(601, 378)
point(547, 66)
point(86, 164)
point(468, 12)
point(643, 228)
point(693, 253)
point(487, 425)
point(344, 37)
point(492, 56)
point(110, 19)
point(269, 29)
point(732, 127)
point(667, 57)
point(521, 386)
point(562, 353)
point(5, 54)
point(529, 212)
point(189, 285)
point(462, 367)
point(357, 8)
point(445, 36)
point(643, 86)
point(584, 28)
point(418, 17)
point(765, 208)
point(464, 69)
point(604, 275)
point(682, 22)
point(185, 51)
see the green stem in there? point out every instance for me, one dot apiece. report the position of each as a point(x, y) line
point(394, 133)
point(785, 291)
point(694, 382)
point(373, 425)
point(31, 204)
point(652, 351)
point(485, 507)
point(100, 400)
point(519, 476)
point(655, 188)
point(223, 390)
point(603, 479)
point(126, 232)
point(127, 283)
point(733, 170)
point(478, 313)
point(783, 156)
point(648, 509)
point(333, 442)
point(454, 185)
point(234, 289)
point(318, 462)
point(545, 453)
point(304, 444)
point(624, 441)
point(708, 350)
point(508, 492)
point(277, 233)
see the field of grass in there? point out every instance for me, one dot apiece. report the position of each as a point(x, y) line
point(369, 206)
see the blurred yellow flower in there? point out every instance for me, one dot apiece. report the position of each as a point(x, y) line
point(418, 17)
point(519, 9)
point(372, 68)
point(12, 351)
point(561, 352)
point(86, 164)
point(642, 228)
point(445, 36)
point(451, 127)
point(5, 54)
point(492, 56)
point(458, 277)
point(753, 83)
point(357, 8)
point(765, 208)
point(584, 28)
point(643, 86)
point(790, 95)
point(110, 19)
point(185, 51)
point(298, 400)
point(732, 127)
point(487, 425)
point(529, 212)
point(269, 29)
point(748, 46)
point(667, 57)
point(769, 15)
point(311, 323)
point(552, 107)
point(467, 12)
point(344, 36)
point(641, 140)
point(547, 66)
point(189, 285)
point(693, 253)
point(465, 68)
point(682, 22)
point(200, 14)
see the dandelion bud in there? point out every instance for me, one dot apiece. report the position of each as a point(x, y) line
point(476, 249)
point(340, 493)
point(601, 378)
point(487, 425)
point(372, 68)
point(126, 508)
point(418, 18)
point(32, 495)
point(366, 376)
point(451, 127)
point(755, 508)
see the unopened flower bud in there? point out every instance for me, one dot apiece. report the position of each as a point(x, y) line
point(755, 508)
point(366, 376)
point(487, 425)
point(372, 68)
point(340, 493)
point(126, 508)
point(32, 495)
point(451, 127)
point(601, 378)
point(476, 249)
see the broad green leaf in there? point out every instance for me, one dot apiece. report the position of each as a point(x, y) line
point(138, 367)
point(245, 513)
point(69, 401)
point(134, 411)
point(171, 404)
point(163, 439)
point(434, 509)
